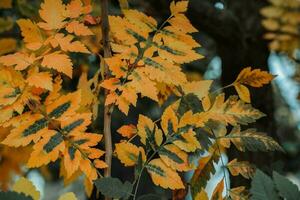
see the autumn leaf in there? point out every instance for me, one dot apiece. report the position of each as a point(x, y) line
point(144, 125)
point(20, 60)
point(127, 130)
point(199, 88)
point(239, 193)
point(78, 29)
point(111, 84)
point(41, 80)
point(254, 78)
point(75, 8)
point(178, 7)
point(243, 92)
point(202, 195)
point(128, 153)
point(66, 43)
point(251, 140)
point(164, 176)
point(7, 45)
point(232, 111)
point(68, 196)
point(32, 34)
point(175, 158)
point(58, 61)
point(52, 13)
point(23, 185)
point(241, 167)
point(169, 121)
point(217, 193)
point(204, 170)
point(188, 141)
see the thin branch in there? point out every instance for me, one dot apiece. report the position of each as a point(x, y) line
point(107, 110)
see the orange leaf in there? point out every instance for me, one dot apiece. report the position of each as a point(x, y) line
point(41, 80)
point(75, 8)
point(111, 84)
point(78, 29)
point(60, 62)
point(66, 43)
point(20, 60)
point(128, 153)
point(164, 176)
point(31, 33)
point(52, 13)
point(127, 130)
point(254, 78)
point(169, 120)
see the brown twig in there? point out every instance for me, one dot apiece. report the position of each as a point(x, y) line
point(107, 110)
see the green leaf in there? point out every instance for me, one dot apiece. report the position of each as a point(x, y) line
point(14, 196)
point(114, 188)
point(139, 166)
point(150, 197)
point(262, 187)
point(203, 172)
point(189, 102)
point(252, 140)
point(286, 188)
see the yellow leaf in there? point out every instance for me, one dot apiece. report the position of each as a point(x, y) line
point(144, 22)
point(52, 13)
point(217, 193)
point(78, 29)
point(128, 153)
point(232, 111)
point(182, 23)
point(272, 11)
point(178, 7)
point(189, 142)
point(254, 78)
point(23, 185)
point(199, 88)
point(66, 43)
point(123, 105)
point(158, 136)
point(127, 130)
point(68, 196)
point(60, 62)
point(123, 4)
point(169, 121)
point(175, 158)
point(85, 87)
point(7, 45)
point(144, 125)
point(117, 66)
point(32, 35)
point(206, 103)
point(202, 195)
point(271, 24)
point(243, 92)
point(164, 176)
point(242, 167)
point(20, 60)
point(41, 80)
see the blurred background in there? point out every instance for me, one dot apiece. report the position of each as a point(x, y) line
point(234, 34)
